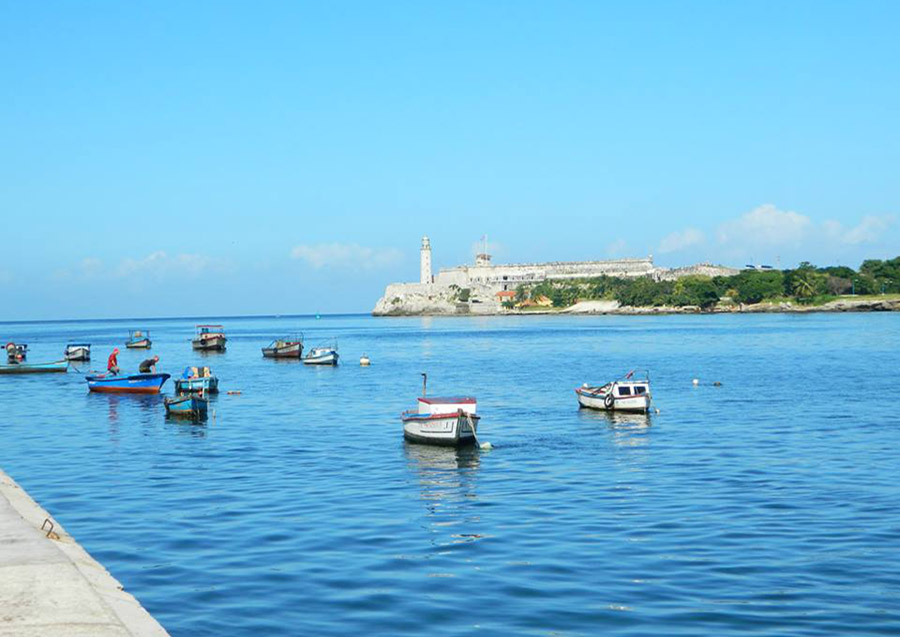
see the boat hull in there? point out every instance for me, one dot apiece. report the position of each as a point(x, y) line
point(210, 344)
point(78, 353)
point(143, 343)
point(35, 368)
point(187, 407)
point(294, 350)
point(445, 430)
point(604, 402)
point(134, 384)
point(330, 358)
point(207, 384)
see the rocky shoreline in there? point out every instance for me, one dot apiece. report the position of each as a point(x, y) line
point(613, 308)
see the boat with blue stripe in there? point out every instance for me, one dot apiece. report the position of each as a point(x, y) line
point(132, 384)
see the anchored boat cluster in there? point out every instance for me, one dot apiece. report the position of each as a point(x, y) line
point(446, 421)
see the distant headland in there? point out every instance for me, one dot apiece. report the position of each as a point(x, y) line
point(638, 286)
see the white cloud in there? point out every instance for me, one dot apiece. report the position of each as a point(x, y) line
point(345, 255)
point(156, 265)
point(766, 226)
point(681, 240)
point(869, 230)
point(159, 264)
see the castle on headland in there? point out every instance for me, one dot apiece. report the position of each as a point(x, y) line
point(479, 288)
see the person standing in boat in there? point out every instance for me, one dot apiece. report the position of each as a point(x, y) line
point(112, 363)
point(149, 366)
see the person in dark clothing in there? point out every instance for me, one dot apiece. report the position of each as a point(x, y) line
point(149, 366)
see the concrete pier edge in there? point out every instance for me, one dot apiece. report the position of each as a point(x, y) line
point(51, 585)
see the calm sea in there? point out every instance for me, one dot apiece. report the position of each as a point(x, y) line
point(768, 505)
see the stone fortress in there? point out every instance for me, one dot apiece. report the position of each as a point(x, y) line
point(478, 288)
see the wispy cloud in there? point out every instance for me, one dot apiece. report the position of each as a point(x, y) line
point(156, 266)
point(682, 240)
point(616, 248)
point(869, 230)
point(346, 255)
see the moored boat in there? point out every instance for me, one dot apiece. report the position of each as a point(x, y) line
point(133, 384)
point(78, 352)
point(626, 394)
point(287, 347)
point(34, 368)
point(210, 338)
point(197, 379)
point(188, 406)
point(446, 421)
point(327, 355)
point(138, 339)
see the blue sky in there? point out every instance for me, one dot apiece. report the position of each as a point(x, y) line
point(251, 158)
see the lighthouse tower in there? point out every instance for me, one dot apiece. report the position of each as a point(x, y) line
point(426, 261)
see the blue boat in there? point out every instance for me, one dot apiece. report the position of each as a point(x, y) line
point(189, 406)
point(133, 384)
point(197, 379)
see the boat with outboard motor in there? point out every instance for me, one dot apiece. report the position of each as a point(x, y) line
point(626, 394)
point(16, 352)
point(131, 384)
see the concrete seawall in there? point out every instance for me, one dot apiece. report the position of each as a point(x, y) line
point(49, 585)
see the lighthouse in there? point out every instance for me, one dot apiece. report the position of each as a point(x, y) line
point(426, 261)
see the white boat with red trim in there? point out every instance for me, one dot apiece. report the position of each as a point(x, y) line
point(626, 394)
point(447, 421)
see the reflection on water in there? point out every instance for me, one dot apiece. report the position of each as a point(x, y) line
point(447, 480)
point(628, 429)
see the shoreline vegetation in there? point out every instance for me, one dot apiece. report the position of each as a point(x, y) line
point(807, 288)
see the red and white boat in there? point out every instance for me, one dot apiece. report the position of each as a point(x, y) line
point(448, 421)
point(625, 394)
point(210, 338)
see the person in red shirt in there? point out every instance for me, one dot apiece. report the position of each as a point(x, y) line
point(112, 364)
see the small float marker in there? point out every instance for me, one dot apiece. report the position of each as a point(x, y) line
point(364, 361)
point(696, 381)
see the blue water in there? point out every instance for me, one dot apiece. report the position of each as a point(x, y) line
point(769, 505)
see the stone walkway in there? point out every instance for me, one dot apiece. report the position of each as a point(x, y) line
point(51, 586)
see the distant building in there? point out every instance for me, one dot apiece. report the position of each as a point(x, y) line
point(488, 285)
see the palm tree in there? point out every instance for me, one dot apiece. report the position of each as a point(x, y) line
point(804, 285)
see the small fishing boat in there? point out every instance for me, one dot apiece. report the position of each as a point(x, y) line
point(287, 347)
point(78, 352)
point(447, 421)
point(34, 368)
point(197, 379)
point(16, 352)
point(210, 338)
point(625, 394)
point(133, 384)
point(138, 339)
point(327, 355)
point(188, 406)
